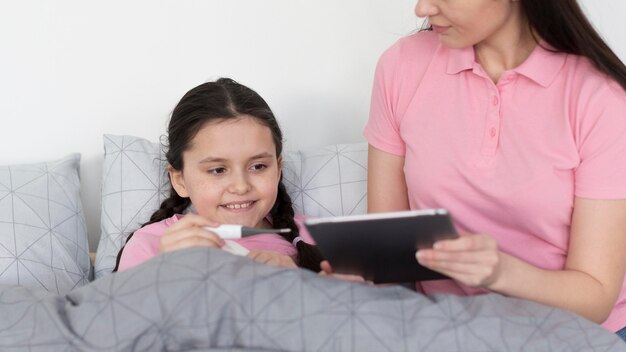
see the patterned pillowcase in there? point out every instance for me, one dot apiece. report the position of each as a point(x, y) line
point(325, 181)
point(134, 183)
point(43, 236)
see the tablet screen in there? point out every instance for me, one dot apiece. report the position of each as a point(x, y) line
point(381, 247)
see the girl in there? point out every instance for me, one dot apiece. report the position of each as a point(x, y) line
point(224, 154)
point(511, 114)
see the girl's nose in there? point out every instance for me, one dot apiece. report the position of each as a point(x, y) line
point(239, 184)
point(425, 8)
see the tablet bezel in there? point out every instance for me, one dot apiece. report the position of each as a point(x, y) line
point(381, 246)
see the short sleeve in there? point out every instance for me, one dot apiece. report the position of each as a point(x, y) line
point(601, 173)
point(382, 129)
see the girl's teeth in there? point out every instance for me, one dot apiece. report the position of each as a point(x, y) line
point(238, 206)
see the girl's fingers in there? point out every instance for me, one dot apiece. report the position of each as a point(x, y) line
point(271, 258)
point(192, 220)
point(188, 243)
point(325, 267)
point(346, 277)
point(189, 237)
point(191, 232)
point(256, 254)
point(327, 270)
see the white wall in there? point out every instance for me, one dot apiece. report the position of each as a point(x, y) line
point(71, 70)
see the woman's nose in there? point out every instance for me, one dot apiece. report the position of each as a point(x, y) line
point(239, 183)
point(425, 8)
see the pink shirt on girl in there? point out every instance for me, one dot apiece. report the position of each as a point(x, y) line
point(505, 158)
point(145, 242)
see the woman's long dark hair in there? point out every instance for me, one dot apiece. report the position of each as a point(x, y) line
point(226, 99)
point(563, 25)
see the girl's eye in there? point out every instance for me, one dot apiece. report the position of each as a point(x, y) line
point(258, 167)
point(217, 170)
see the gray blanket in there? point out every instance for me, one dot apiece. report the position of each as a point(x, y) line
point(203, 299)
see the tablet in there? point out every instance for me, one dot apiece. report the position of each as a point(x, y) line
point(381, 247)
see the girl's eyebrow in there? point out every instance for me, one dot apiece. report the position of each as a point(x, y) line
point(262, 156)
point(211, 159)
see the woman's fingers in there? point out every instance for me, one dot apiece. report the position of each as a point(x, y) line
point(473, 260)
point(468, 257)
point(475, 242)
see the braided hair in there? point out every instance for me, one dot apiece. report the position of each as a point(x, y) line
point(219, 100)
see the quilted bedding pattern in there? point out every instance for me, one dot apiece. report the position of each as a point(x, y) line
point(208, 300)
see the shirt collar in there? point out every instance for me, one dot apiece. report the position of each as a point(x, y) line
point(460, 60)
point(542, 66)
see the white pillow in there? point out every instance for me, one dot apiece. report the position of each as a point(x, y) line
point(330, 180)
point(43, 236)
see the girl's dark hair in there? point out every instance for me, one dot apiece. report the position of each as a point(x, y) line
point(219, 100)
point(563, 25)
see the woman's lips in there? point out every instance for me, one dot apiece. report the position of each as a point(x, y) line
point(440, 29)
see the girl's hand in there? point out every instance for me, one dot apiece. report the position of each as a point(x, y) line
point(327, 270)
point(271, 258)
point(473, 260)
point(189, 232)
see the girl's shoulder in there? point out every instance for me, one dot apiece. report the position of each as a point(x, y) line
point(145, 243)
point(301, 218)
point(158, 228)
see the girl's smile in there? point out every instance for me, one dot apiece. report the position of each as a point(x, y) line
point(238, 206)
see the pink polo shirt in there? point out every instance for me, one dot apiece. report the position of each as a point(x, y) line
point(145, 242)
point(505, 159)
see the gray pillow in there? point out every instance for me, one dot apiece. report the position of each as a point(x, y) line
point(327, 181)
point(134, 183)
point(43, 236)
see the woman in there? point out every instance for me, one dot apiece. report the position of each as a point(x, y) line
point(512, 115)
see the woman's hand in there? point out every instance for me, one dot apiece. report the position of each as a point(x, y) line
point(190, 232)
point(271, 258)
point(327, 270)
point(473, 260)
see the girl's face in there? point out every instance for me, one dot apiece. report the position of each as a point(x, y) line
point(463, 23)
point(231, 172)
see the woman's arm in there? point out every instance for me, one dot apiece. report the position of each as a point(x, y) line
point(588, 285)
point(386, 186)
point(595, 266)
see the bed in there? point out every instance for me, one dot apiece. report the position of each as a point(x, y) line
point(53, 298)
